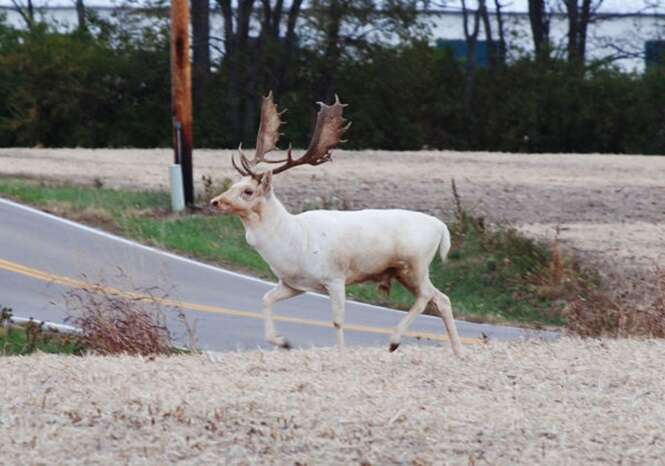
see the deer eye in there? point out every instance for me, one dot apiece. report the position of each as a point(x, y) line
point(248, 192)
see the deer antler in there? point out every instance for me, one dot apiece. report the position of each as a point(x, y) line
point(268, 134)
point(328, 132)
point(266, 138)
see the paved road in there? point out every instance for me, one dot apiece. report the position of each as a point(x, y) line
point(41, 256)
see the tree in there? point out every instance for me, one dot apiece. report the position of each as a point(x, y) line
point(539, 18)
point(342, 28)
point(246, 61)
point(267, 58)
point(80, 15)
point(471, 36)
point(579, 17)
point(496, 49)
point(26, 11)
point(503, 46)
point(200, 12)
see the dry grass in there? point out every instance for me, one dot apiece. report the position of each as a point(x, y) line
point(563, 278)
point(602, 313)
point(591, 308)
point(114, 322)
point(569, 402)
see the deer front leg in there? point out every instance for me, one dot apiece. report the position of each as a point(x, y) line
point(337, 293)
point(279, 293)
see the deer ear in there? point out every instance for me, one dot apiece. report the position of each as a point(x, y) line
point(266, 181)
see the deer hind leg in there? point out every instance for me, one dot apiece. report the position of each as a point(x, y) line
point(279, 293)
point(443, 305)
point(422, 289)
point(404, 324)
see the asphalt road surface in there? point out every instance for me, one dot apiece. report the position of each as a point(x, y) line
point(43, 256)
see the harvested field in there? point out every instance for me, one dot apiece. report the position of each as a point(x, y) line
point(568, 402)
point(611, 208)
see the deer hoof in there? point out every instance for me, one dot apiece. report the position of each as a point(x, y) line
point(280, 342)
point(285, 344)
point(393, 347)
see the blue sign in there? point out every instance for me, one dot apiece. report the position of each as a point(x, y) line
point(459, 49)
point(654, 53)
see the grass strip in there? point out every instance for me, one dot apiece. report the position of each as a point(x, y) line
point(492, 275)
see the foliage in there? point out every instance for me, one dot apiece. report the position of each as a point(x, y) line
point(68, 89)
point(114, 322)
point(26, 339)
point(16, 341)
point(110, 88)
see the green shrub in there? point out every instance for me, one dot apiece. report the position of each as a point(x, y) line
point(111, 88)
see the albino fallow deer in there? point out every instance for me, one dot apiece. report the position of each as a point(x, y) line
point(323, 250)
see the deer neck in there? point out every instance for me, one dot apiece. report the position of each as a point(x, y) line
point(271, 223)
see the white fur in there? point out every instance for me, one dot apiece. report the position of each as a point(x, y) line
point(325, 250)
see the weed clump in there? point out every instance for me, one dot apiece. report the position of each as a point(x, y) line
point(118, 322)
point(598, 313)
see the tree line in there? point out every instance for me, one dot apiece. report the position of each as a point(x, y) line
point(105, 83)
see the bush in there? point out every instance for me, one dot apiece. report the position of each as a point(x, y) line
point(111, 88)
point(72, 90)
point(596, 313)
point(125, 322)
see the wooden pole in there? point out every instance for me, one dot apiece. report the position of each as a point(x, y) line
point(181, 94)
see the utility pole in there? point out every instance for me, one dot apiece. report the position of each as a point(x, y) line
point(181, 94)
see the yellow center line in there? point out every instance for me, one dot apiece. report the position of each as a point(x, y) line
point(78, 284)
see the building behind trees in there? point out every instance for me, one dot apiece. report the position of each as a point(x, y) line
point(566, 78)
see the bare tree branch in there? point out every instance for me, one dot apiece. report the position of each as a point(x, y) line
point(27, 12)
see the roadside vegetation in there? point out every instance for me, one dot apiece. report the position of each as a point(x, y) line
point(111, 321)
point(25, 339)
point(129, 321)
point(494, 274)
point(106, 83)
point(21, 341)
point(599, 313)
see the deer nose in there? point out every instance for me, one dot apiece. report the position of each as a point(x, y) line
point(214, 203)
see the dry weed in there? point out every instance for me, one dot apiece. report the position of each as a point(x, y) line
point(114, 322)
point(563, 276)
point(601, 313)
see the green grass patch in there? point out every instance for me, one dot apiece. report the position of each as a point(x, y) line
point(215, 239)
point(17, 341)
point(78, 198)
point(493, 274)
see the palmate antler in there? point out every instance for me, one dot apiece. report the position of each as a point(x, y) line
point(266, 138)
point(328, 132)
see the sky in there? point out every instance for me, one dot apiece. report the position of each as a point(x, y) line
point(609, 6)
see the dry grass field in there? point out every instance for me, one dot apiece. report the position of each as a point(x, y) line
point(610, 208)
point(572, 401)
point(568, 402)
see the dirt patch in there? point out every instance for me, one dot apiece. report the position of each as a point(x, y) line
point(569, 402)
point(611, 208)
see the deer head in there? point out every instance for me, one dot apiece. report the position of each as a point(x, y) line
point(248, 194)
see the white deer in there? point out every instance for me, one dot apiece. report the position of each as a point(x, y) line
point(323, 250)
